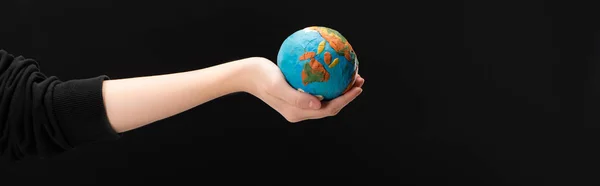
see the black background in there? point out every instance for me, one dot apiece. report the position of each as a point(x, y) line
point(455, 93)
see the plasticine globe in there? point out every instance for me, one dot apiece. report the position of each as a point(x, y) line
point(319, 61)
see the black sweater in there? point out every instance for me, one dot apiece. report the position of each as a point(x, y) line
point(43, 116)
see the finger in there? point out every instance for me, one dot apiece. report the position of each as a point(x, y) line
point(359, 82)
point(334, 106)
point(294, 97)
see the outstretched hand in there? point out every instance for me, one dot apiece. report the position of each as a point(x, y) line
point(271, 87)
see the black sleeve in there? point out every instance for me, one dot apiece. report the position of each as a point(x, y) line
point(42, 116)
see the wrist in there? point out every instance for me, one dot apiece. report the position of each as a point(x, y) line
point(251, 73)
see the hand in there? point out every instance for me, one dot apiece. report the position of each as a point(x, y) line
point(271, 87)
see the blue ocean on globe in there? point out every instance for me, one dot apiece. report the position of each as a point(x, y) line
point(319, 61)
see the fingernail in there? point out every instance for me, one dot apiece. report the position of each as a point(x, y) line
point(319, 97)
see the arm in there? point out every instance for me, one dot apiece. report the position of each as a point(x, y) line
point(132, 103)
point(44, 116)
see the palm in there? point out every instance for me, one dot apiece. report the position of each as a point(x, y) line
point(293, 105)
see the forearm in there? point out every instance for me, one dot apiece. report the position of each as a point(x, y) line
point(135, 102)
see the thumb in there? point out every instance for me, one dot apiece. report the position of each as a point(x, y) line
point(298, 98)
point(306, 101)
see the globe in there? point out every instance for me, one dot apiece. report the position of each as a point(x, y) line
point(319, 61)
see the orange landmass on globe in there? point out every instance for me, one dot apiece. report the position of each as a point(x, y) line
point(336, 41)
point(327, 58)
point(313, 71)
point(307, 55)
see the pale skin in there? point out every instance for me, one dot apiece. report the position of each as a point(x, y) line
point(135, 102)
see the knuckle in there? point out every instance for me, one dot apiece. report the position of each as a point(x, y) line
point(288, 111)
point(292, 119)
point(334, 111)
